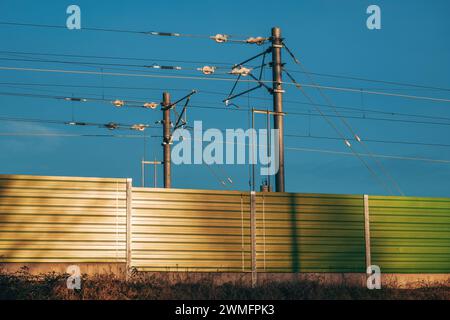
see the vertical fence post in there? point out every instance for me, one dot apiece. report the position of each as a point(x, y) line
point(253, 235)
point(242, 234)
point(367, 230)
point(128, 234)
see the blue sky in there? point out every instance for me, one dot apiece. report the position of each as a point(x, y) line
point(327, 36)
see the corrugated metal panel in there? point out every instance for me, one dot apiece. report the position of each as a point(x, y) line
point(192, 230)
point(310, 233)
point(65, 219)
point(62, 219)
point(410, 235)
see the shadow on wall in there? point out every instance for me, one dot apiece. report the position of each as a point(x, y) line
point(294, 206)
point(60, 220)
point(326, 233)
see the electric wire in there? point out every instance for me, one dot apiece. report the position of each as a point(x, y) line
point(416, 143)
point(388, 156)
point(412, 85)
point(69, 135)
point(225, 38)
point(356, 137)
point(374, 155)
point(207, 92)
point(346, 123)
point(140, 103)
point(110, 125)
point(191, 77)
point(332, 125)
point(228, 64)
point(294, 83)
point(90, 57)
point(12, 119)
point(63, 135)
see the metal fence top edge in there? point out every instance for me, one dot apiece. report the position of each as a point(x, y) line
point(291, 194)
point(179, 190)
point(11, 177)
point(60, 178)
point(247, 193)
point(375, 198)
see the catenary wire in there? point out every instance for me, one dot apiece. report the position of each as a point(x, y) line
point(190, 77)
point(349, 77)
point(207, 92)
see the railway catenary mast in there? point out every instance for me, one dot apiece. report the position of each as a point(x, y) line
point(277, 45)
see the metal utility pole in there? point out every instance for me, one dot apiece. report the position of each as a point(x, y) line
point(167, 137)
point(278, 104)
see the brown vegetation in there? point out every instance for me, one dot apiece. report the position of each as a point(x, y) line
point(23, 285)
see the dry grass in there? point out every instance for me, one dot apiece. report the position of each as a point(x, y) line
point(21, 285)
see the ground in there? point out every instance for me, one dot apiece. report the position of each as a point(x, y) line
point(22, 285)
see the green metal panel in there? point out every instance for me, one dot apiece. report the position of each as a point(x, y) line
point(190, 230)
point(310, 233)
point(410, 235)
point(62, 219)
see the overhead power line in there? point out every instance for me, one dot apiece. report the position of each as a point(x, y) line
point(428, 144)
point(372, 155)
point(12, 119)
point(375, 119)
point(397, 157)
point(359, 91)
point(343, 138)
point(239, 71)
point(352, 131)
point(40, 134)
point(145, 104)
point(204, 78)
point(104, 87)
point(115, 66)
point(322, 74)
point(219, 38)
point(348, 77)
point(116, 102)
point(69, 135)
point(356, 136)
point(217, 93)
point(110, 125)
point(296, 113)
point(90, 57)
point(94, 63)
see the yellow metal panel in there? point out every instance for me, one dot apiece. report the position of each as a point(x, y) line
point(190, 230)
point(191, 263)
point(43, 202)
point(13, 178)
point(197, 229)
point(62, 219)
point(61, 210)
point(163, 237)
point(15, 236)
